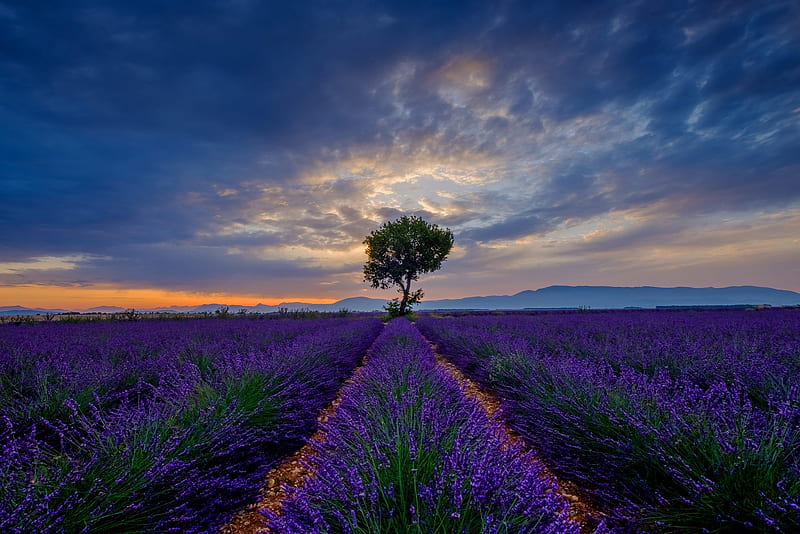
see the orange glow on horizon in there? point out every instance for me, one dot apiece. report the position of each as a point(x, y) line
point(83, 298)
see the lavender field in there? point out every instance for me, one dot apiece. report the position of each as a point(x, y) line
point(677, 421)
point(668, 421)
point(407, 452)
point(158, 426)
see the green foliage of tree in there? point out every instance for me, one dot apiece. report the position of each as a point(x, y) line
point(399, 251)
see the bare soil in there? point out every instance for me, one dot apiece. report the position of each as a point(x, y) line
point(580, 510)
point(293, 470)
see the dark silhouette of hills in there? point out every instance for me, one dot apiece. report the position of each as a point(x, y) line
point(552, 297)
point(609, 297)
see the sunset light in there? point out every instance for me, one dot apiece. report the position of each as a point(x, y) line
point(239, 152)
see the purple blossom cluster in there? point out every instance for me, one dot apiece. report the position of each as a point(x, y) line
point(158, 426)
point(669, 421)
point(408, 452)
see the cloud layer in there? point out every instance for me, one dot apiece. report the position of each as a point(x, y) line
point(239, 147)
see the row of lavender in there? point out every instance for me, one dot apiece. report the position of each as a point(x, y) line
point(158, 426)
point(671, 421)
point(408, 452)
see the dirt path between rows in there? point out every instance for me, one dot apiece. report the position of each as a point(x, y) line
point(289, 472)
point(293, 470)
point(580, 510)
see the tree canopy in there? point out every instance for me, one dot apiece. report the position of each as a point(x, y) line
point(399, 251)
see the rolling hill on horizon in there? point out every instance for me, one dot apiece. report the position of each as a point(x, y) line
point(551, 297)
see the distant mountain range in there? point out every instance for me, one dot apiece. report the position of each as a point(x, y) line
point(553, 297)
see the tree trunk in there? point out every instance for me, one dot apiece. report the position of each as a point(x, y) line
point(406, 291)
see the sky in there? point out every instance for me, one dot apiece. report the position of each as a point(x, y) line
point(175, 153)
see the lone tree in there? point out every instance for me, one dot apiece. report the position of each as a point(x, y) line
point(399, 251)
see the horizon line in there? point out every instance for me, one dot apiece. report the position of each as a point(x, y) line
point(276, 303)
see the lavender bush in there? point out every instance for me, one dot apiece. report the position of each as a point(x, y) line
point(408, 452)
point(670, 421)
point(158, 426)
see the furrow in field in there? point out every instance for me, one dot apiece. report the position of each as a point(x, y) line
point(158, 426)
point(580, 510)
point(288, 473)
point(669, 421)
point(408, 452)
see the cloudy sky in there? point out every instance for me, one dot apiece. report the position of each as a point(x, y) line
point(239, 151)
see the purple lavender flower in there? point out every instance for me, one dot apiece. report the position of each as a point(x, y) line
point(158, 426)
point(408, 452)
point(675, 420)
